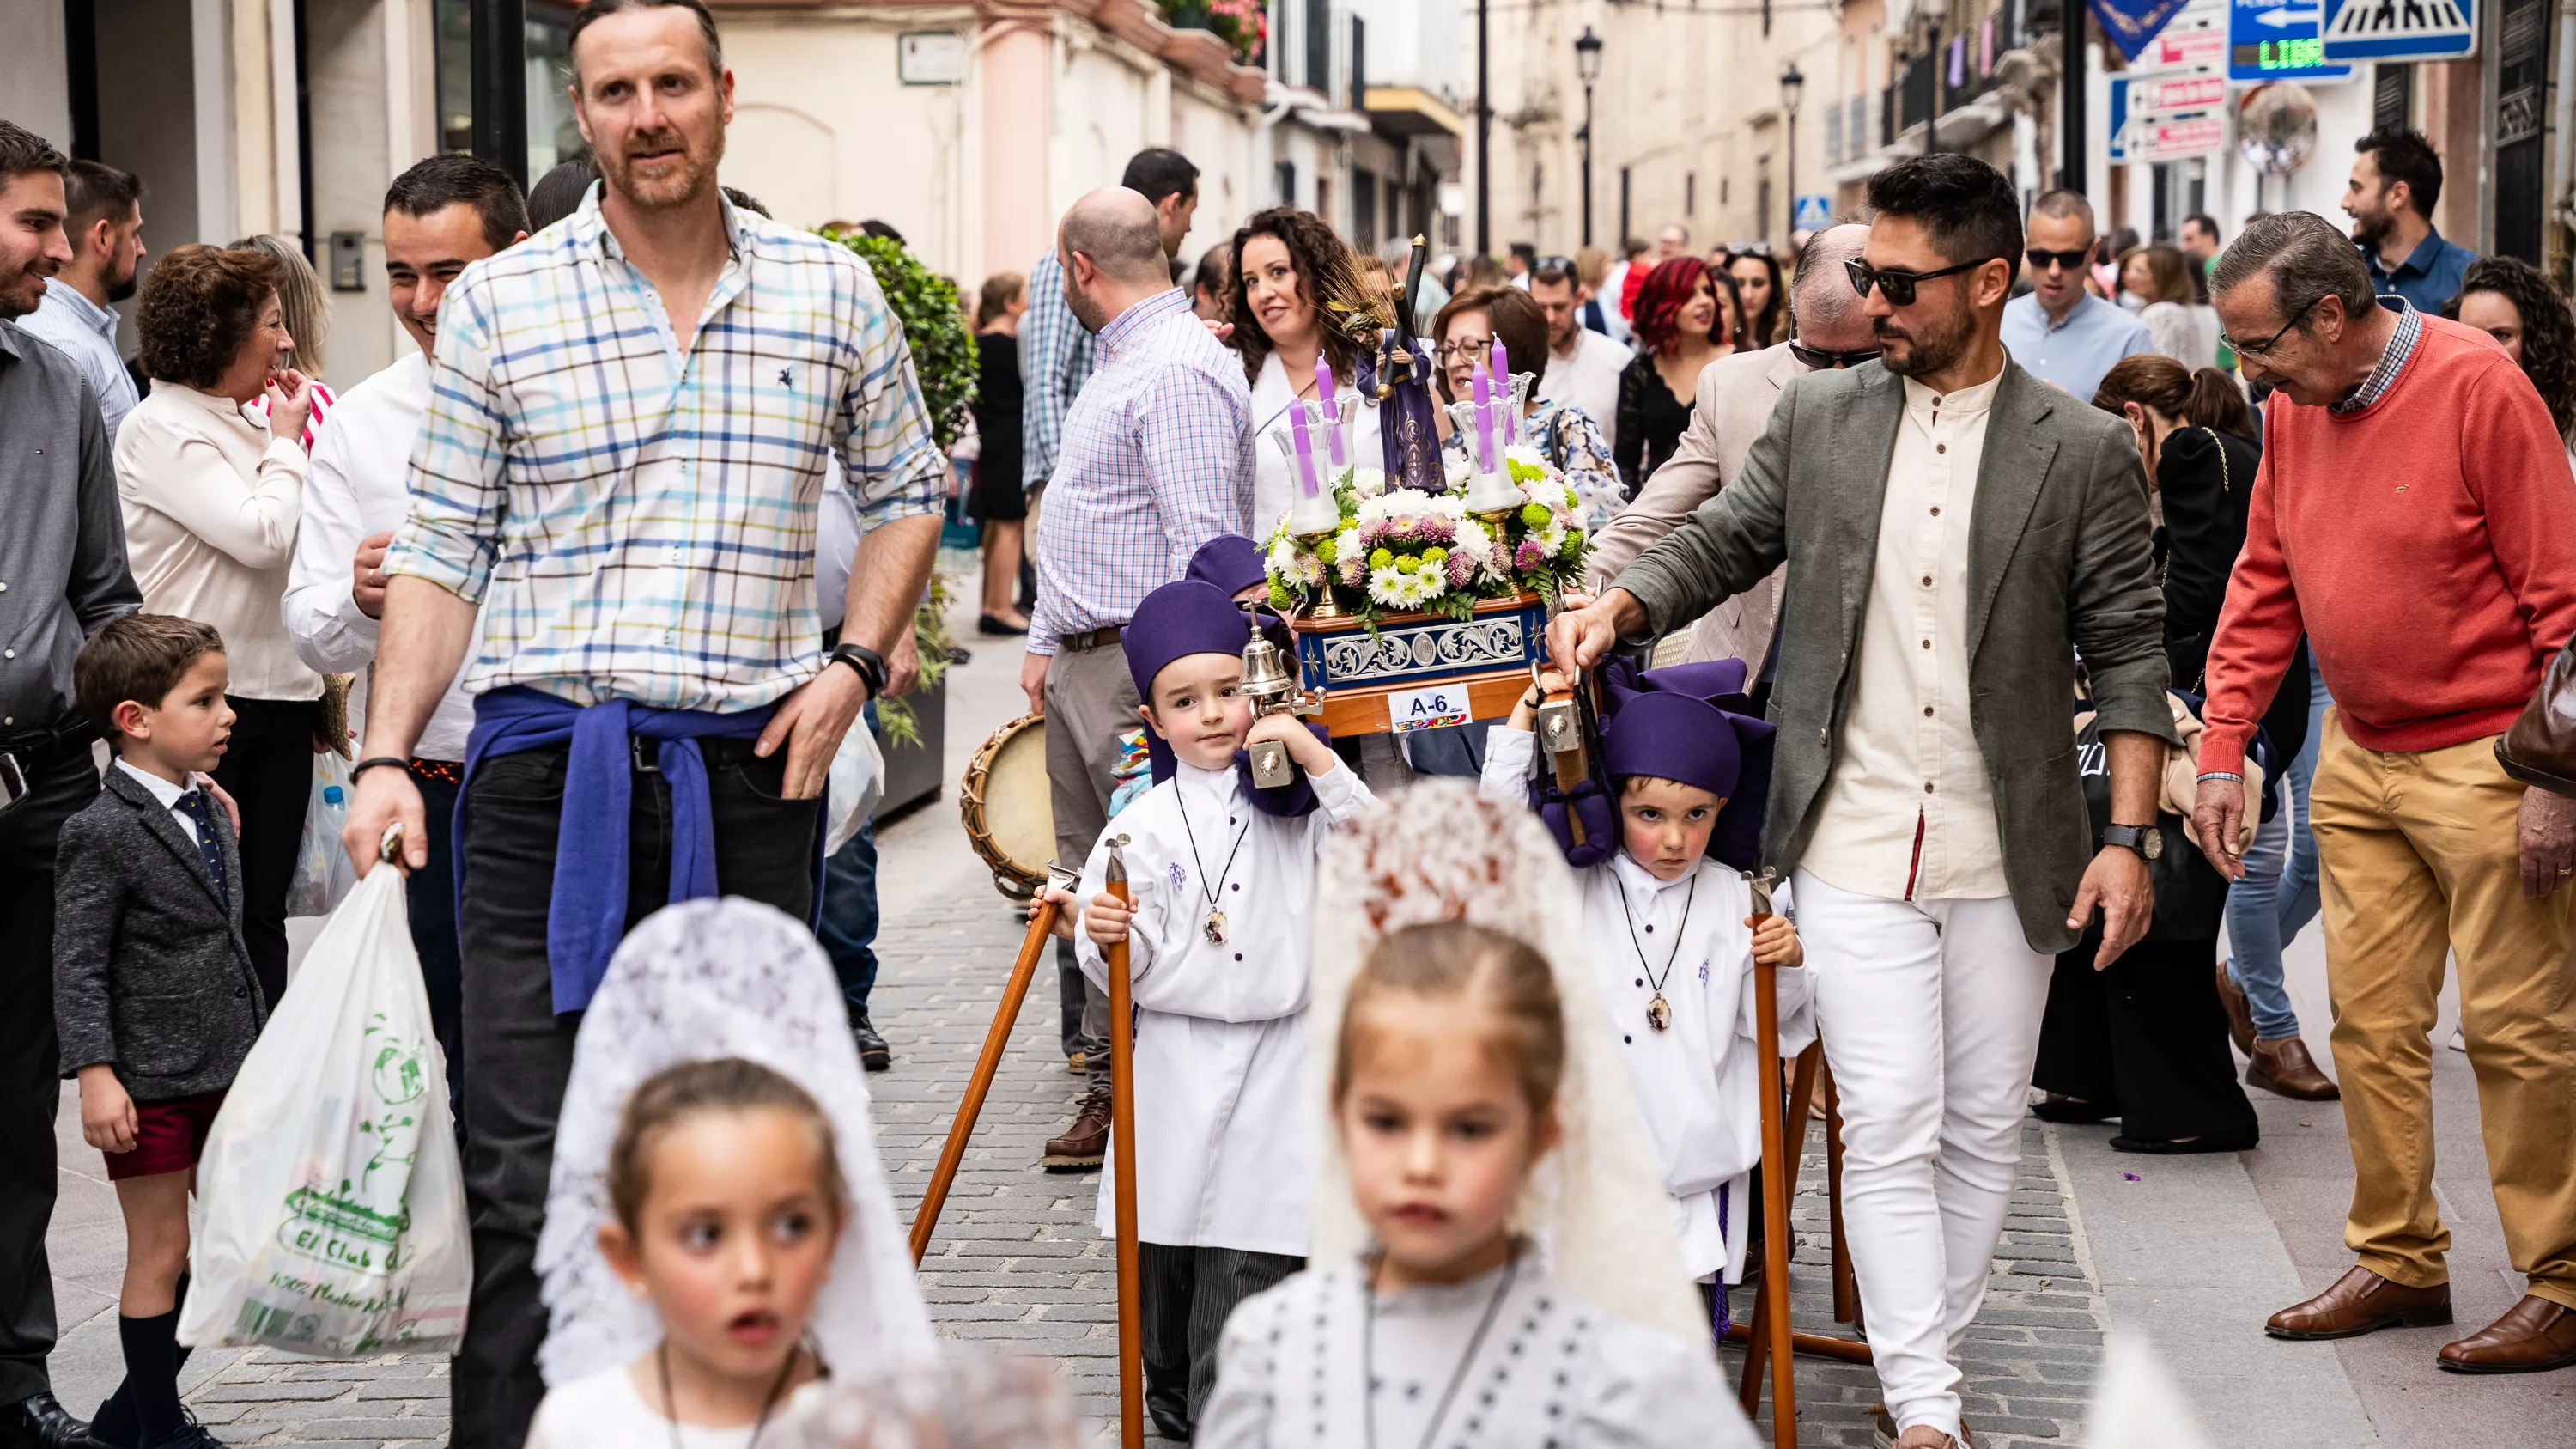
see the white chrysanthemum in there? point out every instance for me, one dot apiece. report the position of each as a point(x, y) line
point(1525, 453)
point(1283, 553)
point(1551, 538)
point(1458, 471)
point(1368, 482)
point(1401, 589)
point(1476, 542)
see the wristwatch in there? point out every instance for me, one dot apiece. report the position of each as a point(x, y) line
point(2146, 840)
point(871, 666)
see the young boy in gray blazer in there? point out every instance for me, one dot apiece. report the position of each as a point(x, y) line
point(154, 995)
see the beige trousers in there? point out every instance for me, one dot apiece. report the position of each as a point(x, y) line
point(2420, 856)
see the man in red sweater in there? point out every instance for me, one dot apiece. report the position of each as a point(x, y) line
point(2414, 515)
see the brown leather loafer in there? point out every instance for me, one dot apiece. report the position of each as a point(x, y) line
point(2284, 1066)
point(2240, 1012)
point(2362, 1302)
point(2534, 1335)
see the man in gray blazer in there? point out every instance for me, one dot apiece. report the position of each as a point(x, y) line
point(1956, 533)
point(1734, 402)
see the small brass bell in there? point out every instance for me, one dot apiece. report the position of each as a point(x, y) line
point(1272, 688)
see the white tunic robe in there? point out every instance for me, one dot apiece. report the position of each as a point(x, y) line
point(1697, 1082)
point(1225, 1156)
point(1552, 1371)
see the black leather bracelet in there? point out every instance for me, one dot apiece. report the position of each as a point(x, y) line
point(372, 761)
point(869, 665)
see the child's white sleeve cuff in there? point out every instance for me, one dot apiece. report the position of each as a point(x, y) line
point(1507, 765)
point(1341, 794)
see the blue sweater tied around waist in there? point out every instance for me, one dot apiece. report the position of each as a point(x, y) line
point(587, 917)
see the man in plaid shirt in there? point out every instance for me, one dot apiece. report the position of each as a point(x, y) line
point(1157, 460)
point(621, 462)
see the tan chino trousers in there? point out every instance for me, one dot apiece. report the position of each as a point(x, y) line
point(2419, 854)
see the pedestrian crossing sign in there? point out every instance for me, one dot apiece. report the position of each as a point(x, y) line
point(2399, 29)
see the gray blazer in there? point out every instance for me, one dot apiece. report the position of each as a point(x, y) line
point(2058, 566)
point(150, 970)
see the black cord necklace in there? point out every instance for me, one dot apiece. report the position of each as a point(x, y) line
point(1213, 927)
point(1659, 1012)
point(1457, 1376)
point(671, 1406)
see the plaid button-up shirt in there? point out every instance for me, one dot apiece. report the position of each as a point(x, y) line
point(1157, 460)
point(1055, 354)
point(644, 518)
point(2392, 358)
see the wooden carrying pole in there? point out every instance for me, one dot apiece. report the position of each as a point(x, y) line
point(1772, 1302)
point(1015, 993)
point(1810, 1072)
point(1122, 1162)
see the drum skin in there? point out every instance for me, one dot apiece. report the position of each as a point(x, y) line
point(1004, 801)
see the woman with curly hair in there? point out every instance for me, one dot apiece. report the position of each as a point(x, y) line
point(1284, 260)
point(1680, 330)
point(306, 313)
point(212, 490)
point(2510, 301)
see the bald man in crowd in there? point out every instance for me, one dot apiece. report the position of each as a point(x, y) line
point(1157, 459)
point(1735, 397)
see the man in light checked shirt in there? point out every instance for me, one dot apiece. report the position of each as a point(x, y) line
point(621, 461)
point(1157, 460)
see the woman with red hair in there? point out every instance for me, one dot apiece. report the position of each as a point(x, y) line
point(1680, 330)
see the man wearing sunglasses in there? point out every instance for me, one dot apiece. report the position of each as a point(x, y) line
point(2061, 332)
point(2412, 516)
point(1735, 398)
point(1956, 533)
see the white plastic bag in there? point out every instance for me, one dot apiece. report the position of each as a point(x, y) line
point(323, 874)
point(854, 785)
point(334, 1211)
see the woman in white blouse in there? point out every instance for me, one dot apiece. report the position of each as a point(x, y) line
point(2180, 322)
point(1283, 257)
point(212, 490)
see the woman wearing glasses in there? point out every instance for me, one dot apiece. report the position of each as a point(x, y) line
point(1281, 329)
point(1680, 330)
point(1563, 434)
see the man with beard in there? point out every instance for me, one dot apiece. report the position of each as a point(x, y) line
point(1957, 533)
point(104, 219)
point(620, 463)
point(2396, 182)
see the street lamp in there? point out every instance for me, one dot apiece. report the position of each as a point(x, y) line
point(1934, 11)
point(1587, 68)
point(1792, 86)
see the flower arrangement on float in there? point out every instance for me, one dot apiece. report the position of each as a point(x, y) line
point(1503, 525)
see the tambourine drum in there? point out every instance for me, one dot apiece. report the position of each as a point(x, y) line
point(1004, 801)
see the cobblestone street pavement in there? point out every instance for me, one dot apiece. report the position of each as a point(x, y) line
point(1017, 1266)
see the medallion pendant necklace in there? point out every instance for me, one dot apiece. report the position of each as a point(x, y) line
point(768, 1406)
point(1659, 1012)
point(1457, 1376)
point(1212, 926)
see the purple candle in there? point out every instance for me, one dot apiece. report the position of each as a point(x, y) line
point(1332, 412)
point(1484, 391)
point(1503, 386)
point(1305, 448)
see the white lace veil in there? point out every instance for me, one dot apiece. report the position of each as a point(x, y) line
point(1597, 1203)
point(695, 982)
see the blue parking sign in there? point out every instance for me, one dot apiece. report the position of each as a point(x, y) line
point(2400, 29)
point(2269, 40)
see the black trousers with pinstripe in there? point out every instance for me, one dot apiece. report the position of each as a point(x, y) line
point(1187, 1293)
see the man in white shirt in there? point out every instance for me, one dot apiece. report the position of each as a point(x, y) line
point(2001, 532)
point(1583, 366)
point(1614, 289)
point(440, 215)
point(105, 222)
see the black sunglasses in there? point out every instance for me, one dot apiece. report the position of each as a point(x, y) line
point(1898, 286)
point(2042, 259)
point(2260, 349)
point(1831, 361)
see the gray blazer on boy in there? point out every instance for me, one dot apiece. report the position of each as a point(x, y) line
point(2058, 566)
point(150, 970)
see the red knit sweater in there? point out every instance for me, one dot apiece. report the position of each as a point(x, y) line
point(2427, 544)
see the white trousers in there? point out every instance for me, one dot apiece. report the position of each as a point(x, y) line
point(1930, 1014)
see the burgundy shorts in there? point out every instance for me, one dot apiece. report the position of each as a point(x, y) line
point(168, 1137)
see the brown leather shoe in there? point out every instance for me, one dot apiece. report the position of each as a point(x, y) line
point(1085, 1144)
point(2533, 1335)
point(2240, 1012)
point(1883, 1433)
point(2284, 1066)
point(2362, 1302)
